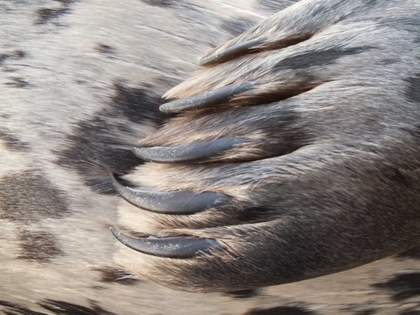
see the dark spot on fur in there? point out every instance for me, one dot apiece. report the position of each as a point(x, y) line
point(104, 49)
point(138, 105)
point(413, 90)
point(403, 286)
point(4, 57)
point(412, 253)
point(45, 15)
point(18, 83)
point(29, 197)
point(396, 176)
point(372, 2)
point(17, 54)
point(66, 2)
point(161, 3)
point(101, 143)
point(114, 275)
point(243, 294)
point(237, 26)
point(280, 310)
point(64, 308)
point(387, 62)
point(359, 309)
point(38, 246)
point(318, 58)
point(365, 312)
point(252, 214)
point(12, 143)
point(15, 309)
point(275, 5)
point(409, 313)
point(7, 304)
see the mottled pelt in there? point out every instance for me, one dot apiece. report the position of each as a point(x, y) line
point(290, 152)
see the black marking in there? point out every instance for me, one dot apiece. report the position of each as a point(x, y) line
point(4, 57)
point(104, 49)
point(29, 197)
point(412, 253)
point(411, 312)
point(65, 308)
point(17, 54)
point(17, 83)
point(66, 2)
point(115, 275)
point(413, 90)
point(366, 312)
point(12, 143)
point(162, 3)
point(359, 309)
point(397, 176)
point(15, 309)
point(318, 58)
point(371, 3)
point(96, 145)
point(387, 62)
point(280, 310)
point(243, 294)
point(138, 105)
point(237, 26)
point(403, 286)
point(38, 246)
point(45, 15)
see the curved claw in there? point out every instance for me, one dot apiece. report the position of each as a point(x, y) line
point(179, 202)
point(207, 99)
point(231, 52)
point(171, 247)
point(190, 152)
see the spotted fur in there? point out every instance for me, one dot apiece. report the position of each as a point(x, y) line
point(81, 84)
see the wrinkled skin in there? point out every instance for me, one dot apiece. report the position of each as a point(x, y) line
point(295, 153)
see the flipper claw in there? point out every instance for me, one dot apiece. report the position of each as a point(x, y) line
point(170, 247)
point(190, 152)
point(207, 99)
point(178, 202)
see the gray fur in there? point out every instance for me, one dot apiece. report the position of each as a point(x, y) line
point(330, 172)
point(72, 117)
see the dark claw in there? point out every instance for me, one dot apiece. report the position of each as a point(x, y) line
point(180, 202)
point(171, 247)
point(231, 52)
point(190, 152)
point(206, 99)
